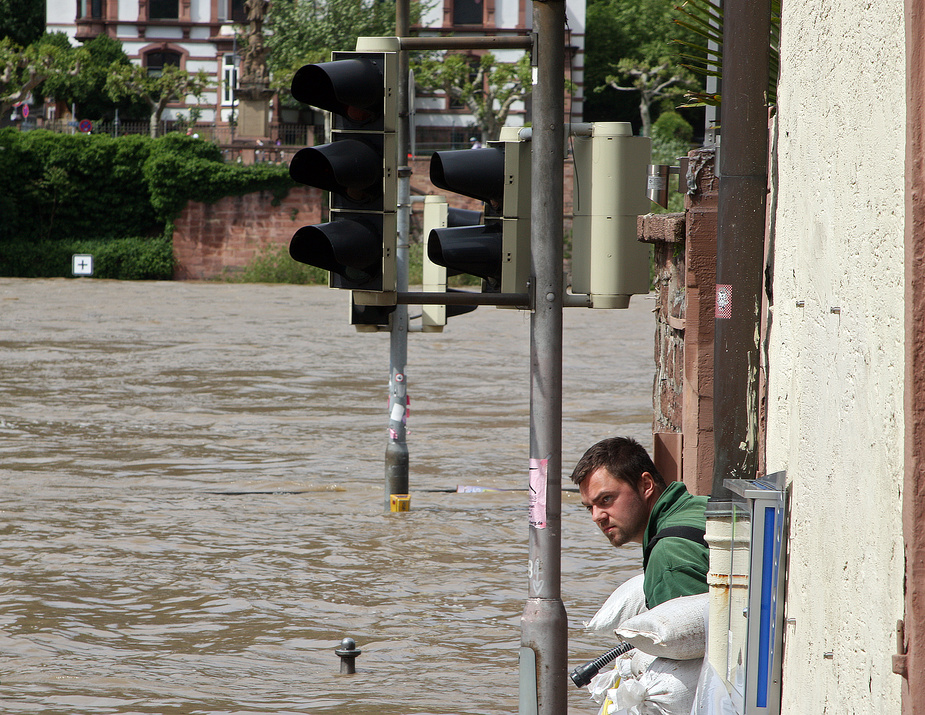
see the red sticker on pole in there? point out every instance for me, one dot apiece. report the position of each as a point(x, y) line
point(723, 302)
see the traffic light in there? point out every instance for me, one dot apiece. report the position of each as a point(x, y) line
point(498, 249)
point(358, 167)
point(608, 262)
point(438, 215)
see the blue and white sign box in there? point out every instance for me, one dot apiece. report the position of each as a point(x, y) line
point(767, 499)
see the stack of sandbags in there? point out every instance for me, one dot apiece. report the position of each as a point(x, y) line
point(660, 676)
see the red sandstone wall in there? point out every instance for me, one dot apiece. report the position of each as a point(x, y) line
point(210, 239)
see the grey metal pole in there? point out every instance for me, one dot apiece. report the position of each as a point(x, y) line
point(396, 452)
point(740, 240)
point(544, 636)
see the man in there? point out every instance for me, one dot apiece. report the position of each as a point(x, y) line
point(629, 501)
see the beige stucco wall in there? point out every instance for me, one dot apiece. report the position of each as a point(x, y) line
point(835, 408)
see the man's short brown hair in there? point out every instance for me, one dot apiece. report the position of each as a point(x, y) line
point(623, 457)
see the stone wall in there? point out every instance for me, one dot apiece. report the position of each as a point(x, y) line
point(685, 278)
point(212, 239)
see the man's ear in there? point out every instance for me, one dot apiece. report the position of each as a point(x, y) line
point(647, 487)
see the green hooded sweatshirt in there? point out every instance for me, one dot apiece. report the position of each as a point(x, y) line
point(677, 566)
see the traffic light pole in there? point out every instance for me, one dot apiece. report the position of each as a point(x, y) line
point(544, 637)
point(396, 451)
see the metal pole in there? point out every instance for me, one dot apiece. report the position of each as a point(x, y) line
point(396, 452)
point(480, 42)
point(544, 634)
point(740, 240)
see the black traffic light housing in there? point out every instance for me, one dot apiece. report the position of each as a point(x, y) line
point(358, 167)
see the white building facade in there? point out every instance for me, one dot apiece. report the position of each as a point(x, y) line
point(836, 350)
point(200, 34)
point(191, 34)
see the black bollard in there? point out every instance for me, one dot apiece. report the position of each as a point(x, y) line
point(348, 653)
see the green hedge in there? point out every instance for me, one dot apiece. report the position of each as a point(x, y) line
point(118, 258)
point(76, 193)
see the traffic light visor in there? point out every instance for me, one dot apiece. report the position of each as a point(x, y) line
point(348, 167)
point(350, 248)
point(477, 173)
point(350, 88)
point(476, 250)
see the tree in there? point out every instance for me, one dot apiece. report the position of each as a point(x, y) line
point(157, 89)
point(87, 88)
point(301, 32)
point(22, 21)
point(639, 30)
point(653, 81)
point(486, 87)
point(23, 69)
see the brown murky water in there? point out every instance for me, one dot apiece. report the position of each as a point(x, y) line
point(192, 487)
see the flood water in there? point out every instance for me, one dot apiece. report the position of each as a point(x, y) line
point(192, 500)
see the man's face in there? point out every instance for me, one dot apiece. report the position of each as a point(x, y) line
point(620, 511)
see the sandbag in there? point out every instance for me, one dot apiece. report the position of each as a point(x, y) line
point(711, 697)
point(666, 687)
point(675, 629)
point(624, 603)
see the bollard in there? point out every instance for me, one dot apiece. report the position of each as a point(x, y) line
point(399, 502)
point(348, 653)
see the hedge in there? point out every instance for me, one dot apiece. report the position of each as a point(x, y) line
point(113, 197)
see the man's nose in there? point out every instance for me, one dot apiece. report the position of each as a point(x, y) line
point(597, 514)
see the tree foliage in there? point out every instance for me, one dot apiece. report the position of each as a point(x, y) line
point(486, 87)
point(652, 81)
point(87, 88)
point(157, 89)
point(22, 21)
point(307, 31)
point(639, 32)
point(58, 187)
point(702, 46)
point(23, 69)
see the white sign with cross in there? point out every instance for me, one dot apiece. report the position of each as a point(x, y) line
point(82, 264)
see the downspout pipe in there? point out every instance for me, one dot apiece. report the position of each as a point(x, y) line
point(743, 164)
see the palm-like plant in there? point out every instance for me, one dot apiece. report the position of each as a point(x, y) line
point(704, 18)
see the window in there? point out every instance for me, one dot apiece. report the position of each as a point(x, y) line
point(156, 61)
point(229, 80)
point(89, 9)
point(467, 12)
point(164, 9)
point(238, 11)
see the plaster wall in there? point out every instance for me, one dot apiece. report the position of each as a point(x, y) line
point(835, 349)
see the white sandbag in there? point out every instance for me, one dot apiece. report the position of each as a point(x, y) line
point(602, 682)
point(667, 687)
point(627, 601)
point(675, 629)
point(712, 698)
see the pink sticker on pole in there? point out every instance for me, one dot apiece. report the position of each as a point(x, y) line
point(538, 493)
point(723, 302)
